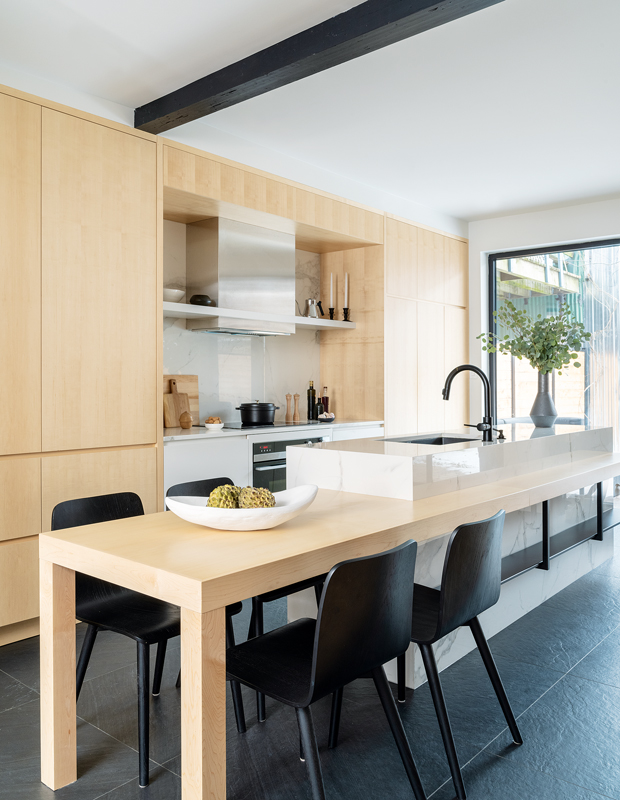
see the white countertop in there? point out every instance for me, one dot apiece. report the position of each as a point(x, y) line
point(196, 432)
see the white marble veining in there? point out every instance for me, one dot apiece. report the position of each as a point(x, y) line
point(440, 469)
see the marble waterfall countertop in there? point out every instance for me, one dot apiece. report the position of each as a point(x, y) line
point(389, 467)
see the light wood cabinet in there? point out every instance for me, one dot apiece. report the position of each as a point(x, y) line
point(66, 477)
point(426, 323)
point(19, 580)
point(20, 274)
point(99, 286)
point(20, 497)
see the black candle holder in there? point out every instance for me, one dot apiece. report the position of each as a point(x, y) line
point(345, 312)
point(331, 313)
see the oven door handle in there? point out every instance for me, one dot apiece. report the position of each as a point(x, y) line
point(270, 468)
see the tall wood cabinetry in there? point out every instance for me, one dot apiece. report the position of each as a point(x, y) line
point(408, 298)
point(78, 330)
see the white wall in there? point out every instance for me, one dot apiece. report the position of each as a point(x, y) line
point(212, 140)
point(556, 226)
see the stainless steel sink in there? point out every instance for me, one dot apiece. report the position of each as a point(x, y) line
point(439, 440)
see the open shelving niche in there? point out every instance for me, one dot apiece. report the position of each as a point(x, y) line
point(538, 555)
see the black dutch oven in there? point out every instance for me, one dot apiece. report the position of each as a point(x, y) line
point(257, 413)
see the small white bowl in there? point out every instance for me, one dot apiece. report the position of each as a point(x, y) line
point(214, 426)
point(173, 295)
point(288, 505)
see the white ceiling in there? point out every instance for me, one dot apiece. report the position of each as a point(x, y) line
point(511, 108)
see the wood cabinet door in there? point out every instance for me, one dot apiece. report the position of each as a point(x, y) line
point(19, 580)
point(20, 497)
point(20, 275)
point(99, 286)
point(67, 477)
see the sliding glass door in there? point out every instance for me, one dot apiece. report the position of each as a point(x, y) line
point(587, 277)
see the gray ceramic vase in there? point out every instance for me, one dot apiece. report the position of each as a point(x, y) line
point(543, 411)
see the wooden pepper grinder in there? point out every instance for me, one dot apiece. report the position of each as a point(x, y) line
point(289, 416)
point(296, 412)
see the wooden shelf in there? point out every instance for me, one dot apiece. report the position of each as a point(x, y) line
point(561, 542)
point(187, 311)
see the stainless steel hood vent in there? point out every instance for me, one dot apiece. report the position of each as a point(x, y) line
point(241, 267)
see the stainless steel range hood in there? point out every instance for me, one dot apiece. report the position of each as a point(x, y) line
point(241, 267)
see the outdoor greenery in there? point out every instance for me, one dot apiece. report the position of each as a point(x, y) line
point(548, 343)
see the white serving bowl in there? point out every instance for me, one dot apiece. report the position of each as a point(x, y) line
point(173, 295)
point(288, 505)
point(214, 426)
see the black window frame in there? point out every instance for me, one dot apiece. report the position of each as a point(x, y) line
point(492, 295)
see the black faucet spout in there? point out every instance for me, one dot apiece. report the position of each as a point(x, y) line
point(486, 425)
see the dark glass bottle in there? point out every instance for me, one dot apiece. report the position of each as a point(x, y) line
point(311, 400)
point(318, 408)
point(325, 400)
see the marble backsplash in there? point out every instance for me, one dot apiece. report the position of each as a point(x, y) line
point(235, 369)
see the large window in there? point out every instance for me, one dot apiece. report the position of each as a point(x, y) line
point(587, 277)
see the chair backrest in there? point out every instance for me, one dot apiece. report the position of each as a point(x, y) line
point(88, 511)
point(364, 617)
point(471, 579)
point(197, 488)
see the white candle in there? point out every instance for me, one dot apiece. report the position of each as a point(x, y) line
point(331, 289)
point(346, 290)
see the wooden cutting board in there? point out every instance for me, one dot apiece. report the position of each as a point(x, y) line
point(175, 404)
point(186, 384)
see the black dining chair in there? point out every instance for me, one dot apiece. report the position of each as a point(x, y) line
point(204, 488)
point(364, 620)
point(470, 584)
point(106, 606)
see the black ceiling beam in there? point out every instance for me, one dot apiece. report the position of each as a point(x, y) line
point(360, 30)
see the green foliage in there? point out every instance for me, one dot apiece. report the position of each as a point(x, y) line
point(548, 343)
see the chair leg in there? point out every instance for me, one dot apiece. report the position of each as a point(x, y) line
point(235, 686)
point(400, 678)
point(159, 667)
point(143, 714)
point(430, 665)
point(85, 652)
point(178, 683)
point(311, 752)
point(257, 630)
point(489, 663)
point(396, 726)
point(334, 722)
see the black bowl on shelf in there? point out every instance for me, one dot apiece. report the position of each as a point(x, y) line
point(329, 419)
point(201, 300)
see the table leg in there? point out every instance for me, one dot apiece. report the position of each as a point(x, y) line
point(58, 720)
point(203, 704)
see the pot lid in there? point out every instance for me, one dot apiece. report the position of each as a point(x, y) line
point(256, 405)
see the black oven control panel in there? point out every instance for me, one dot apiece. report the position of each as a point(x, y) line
point(271, 451)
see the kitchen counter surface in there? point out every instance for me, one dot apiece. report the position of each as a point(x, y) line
point(392, 468)
point(196, 432)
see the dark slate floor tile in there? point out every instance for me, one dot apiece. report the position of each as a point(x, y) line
point(163, 785)
point(573, 734)
point(595, 594)
point(13, 693)
point(103, 763)
point(110, 703)
point(603, 663)
point(474, 710)
point(20, 660)
point(610, 567)
point(553, 636)
point(489, 777)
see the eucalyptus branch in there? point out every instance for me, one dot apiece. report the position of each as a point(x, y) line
point(548, 343)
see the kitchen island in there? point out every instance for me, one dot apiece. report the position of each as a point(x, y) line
point(550, 482)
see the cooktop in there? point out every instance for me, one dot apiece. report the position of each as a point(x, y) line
point(239, 425)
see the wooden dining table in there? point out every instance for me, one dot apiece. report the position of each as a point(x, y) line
point(203, 570)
